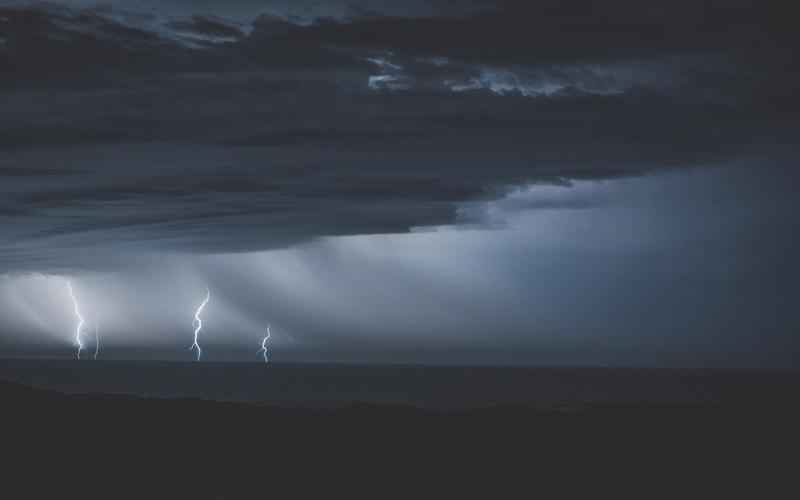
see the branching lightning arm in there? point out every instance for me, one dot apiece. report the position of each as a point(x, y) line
point(198, 325)
point(96, 340)
point(78, 336)
point(264, 346)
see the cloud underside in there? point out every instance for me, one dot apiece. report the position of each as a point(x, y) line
point(134, 133)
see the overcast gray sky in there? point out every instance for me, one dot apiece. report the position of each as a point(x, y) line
point(447, 182)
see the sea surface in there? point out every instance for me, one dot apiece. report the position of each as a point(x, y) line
point(317, 385)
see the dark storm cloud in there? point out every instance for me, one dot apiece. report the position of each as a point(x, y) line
point(296, 10)
point(195, 126)
point(135, 140)
point(612, 272)
point(575, 30)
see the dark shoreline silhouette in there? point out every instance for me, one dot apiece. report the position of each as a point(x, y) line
point(430, 387)
point(126, 446)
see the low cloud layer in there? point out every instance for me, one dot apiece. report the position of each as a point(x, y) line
point(597, 272)
point(165, 129)
point(201, 141)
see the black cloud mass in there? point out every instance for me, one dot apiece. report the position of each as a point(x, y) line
point(134, 129)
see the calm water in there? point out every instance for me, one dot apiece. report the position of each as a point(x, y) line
point(441, 387)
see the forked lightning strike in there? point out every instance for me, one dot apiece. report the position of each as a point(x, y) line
point(78, 337)
point(96, 341)
point(264, 346)
point(199, 325)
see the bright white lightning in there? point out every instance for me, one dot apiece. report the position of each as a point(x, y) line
point(96, 341)
point(199, 324)
point(78, 338)
point(264, 346)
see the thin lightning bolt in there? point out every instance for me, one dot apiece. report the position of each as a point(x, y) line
point(197, 321)
point(96, 341)
point(264, 346)
point(78, 338)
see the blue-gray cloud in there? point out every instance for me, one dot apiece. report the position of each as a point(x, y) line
point(632, 277)
point(152, 141)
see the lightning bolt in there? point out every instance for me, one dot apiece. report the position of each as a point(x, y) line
point(78, 338)
point(264, 346)
point(199, 324)
point(96, 341)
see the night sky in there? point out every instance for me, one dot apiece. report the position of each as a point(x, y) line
point(450, 182)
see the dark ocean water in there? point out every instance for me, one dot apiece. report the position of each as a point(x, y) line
point(436, 387)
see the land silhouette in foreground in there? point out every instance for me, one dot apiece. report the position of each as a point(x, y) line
point(132, 446)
